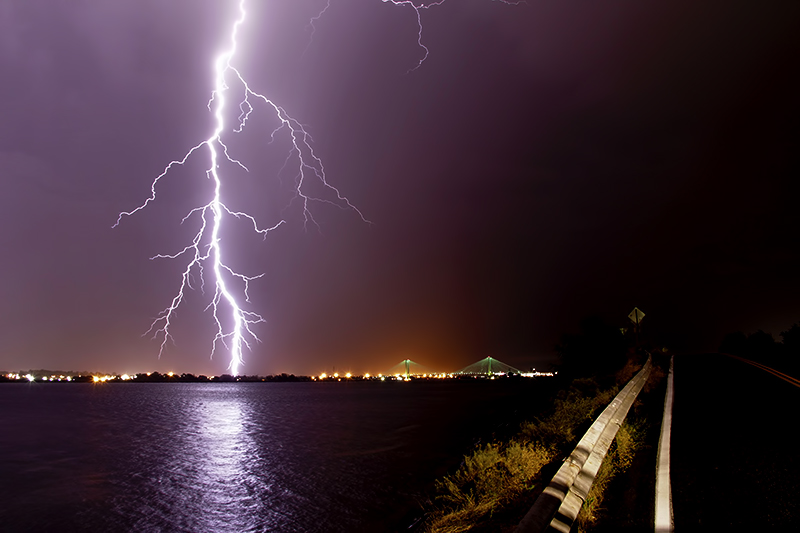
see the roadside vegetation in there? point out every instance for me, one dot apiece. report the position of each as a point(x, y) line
point(497, 475)
point(497, 482)
point(629, 440)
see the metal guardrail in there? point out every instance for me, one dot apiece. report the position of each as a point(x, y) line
point(663, 518)
point(557, 507)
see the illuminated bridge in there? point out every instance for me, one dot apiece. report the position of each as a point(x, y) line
point(408, 368)
point(488, 367)
point(485, 367)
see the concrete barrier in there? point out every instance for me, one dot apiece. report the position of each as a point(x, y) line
point(663, 518)
point(557, 507)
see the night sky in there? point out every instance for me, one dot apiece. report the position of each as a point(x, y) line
point(548, 162)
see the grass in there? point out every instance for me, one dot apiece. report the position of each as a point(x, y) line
point(489, 478)
point(495, 475)
point(570, 413)
point(629, 439)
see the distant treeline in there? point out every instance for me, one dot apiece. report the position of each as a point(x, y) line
point(152, 377)
point(762, 346)
point(191, 378)
point(598, 348)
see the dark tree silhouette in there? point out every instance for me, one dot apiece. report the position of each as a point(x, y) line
point(761, 345)
point(734, 343)
point(791, 340)
point(598, 349)
point(791, 350)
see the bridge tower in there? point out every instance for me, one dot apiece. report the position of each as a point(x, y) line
point(488, 367)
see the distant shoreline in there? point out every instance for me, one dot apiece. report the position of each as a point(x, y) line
point(156, 377)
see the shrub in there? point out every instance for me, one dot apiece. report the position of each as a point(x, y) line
point(570, 412)
point(629, 440)
point(495, 475)
point(489, 477)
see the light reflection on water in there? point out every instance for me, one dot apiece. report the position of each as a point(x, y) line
point(218, 458)
point(231, 457)
point(225, 455)
point(214, 476)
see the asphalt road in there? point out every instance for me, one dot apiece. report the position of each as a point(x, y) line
point(735, 462)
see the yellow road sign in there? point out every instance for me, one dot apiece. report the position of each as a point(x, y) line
point(636, 315)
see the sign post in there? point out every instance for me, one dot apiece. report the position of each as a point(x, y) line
point(636, 317)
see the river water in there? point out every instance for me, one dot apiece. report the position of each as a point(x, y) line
point(216, 457)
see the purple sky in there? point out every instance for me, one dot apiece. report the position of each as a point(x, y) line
point(548, 161)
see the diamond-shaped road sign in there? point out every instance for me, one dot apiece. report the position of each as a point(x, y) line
point(636, 315)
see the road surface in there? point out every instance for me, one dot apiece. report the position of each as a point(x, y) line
point(734, 457)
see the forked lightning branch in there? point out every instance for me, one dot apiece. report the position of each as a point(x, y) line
point(205, 256)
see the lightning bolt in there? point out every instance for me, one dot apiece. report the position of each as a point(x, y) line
point(206, 248)
point(417, 10)
point(418, 7)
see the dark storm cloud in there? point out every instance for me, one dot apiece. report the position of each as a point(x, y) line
point(548, 161)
